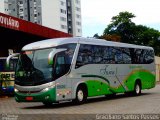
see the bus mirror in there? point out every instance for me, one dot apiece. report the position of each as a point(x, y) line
point(9, 57)
point(52, 54)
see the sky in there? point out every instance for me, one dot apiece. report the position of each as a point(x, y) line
point(1, 6)
point(97, 14)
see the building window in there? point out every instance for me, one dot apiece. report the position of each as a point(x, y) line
point(78, 9)
point(79, 30)
point(78, 2)
point(78, 23)
point(63, 11)
point(78, 16)
point(68, 4)
point(70, 31)
point(21, 10)
point(63, 26)
point(21, 17)
point(63, 19)
point(35, 15)
point(62, 3)
point(20, 2)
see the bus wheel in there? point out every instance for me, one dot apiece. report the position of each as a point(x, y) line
point(81, 95)
point(137, 89)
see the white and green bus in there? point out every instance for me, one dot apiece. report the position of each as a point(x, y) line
point(77, 68)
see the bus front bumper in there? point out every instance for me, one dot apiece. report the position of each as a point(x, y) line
point(48, 96)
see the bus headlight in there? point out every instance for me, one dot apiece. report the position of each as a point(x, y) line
point(45, 90)
point(15, 90)
point(48, 88)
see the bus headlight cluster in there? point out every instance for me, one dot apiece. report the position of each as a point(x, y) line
point(16, 90)
point(48, 88)
point(45, 90)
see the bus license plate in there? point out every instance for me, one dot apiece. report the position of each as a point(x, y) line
point(29, 98)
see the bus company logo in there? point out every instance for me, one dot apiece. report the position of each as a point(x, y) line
point(9, 117)
point(107, 70)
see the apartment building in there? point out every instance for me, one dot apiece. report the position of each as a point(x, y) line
point(29, 10)
point(62, 15)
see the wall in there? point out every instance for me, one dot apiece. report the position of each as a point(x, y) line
point(157, 62)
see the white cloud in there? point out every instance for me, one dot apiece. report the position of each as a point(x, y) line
point(101, 11)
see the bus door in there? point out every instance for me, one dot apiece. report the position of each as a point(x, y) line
point(61, 68)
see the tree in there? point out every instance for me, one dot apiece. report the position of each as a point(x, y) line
point(113, 37)
point(128, 32)
point(96, 36)
point(121, 19)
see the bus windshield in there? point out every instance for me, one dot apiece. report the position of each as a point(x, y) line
point(33, 68)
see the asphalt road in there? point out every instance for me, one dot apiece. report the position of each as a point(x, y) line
point(147, 103)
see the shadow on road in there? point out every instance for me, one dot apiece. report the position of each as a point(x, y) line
point(89, 101)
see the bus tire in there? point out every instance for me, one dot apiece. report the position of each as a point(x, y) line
point(81, 95)
point(137, 88)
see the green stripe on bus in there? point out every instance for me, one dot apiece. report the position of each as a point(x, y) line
point(147, 79)
point(96, 88)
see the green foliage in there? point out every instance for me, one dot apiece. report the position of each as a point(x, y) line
point(96, 36)
point(122, 25)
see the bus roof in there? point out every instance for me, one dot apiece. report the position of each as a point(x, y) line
point(60, 41)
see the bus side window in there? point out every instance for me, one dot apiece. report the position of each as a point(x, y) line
point(60, 65)
point(85, 55)
point(148, 56)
